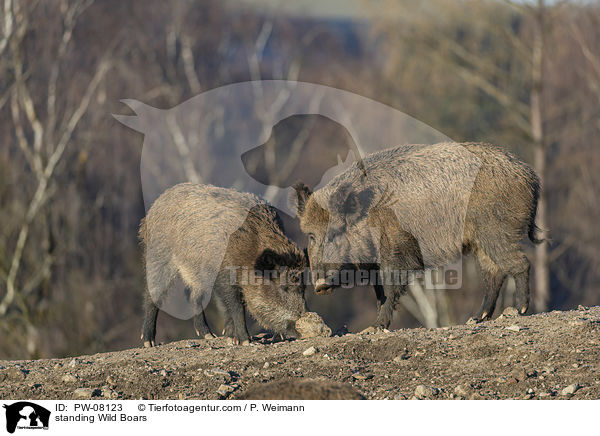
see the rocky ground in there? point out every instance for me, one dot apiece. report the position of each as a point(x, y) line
point(546, 356)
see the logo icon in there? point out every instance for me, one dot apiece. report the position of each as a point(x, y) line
point(26, 415)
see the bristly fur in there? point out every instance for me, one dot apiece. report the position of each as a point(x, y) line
point(189, 226)
point(431, 203)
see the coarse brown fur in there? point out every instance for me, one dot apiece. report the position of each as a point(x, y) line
point(189, 228)
point(301, 389)
point(428, 204)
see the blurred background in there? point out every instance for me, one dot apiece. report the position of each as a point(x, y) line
point(522, 75)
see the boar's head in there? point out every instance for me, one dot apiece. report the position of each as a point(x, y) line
point(341, 239)
point(276, 295)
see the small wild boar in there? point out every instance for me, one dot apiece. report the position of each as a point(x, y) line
point(417, 207)
point(301, 389)
point(183, 233)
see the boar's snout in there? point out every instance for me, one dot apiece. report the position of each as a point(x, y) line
point(322, 287)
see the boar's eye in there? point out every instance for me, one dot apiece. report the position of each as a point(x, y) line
point(311, 238)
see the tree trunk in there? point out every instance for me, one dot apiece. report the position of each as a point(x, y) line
point(541, 295)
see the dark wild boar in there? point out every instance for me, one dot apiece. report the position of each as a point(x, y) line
point(208, 238)
point(421, 207)
point(301, 389)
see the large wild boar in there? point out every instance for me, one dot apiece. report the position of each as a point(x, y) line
point(419, 207)
point(182, 235)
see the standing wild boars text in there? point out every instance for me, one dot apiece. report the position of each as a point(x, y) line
point(222, 243)
point(419, 207)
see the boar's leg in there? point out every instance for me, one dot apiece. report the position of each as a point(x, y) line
point(493, 277)
point(201, 326)
point(515, 263)
point(385, 306)
point(522, 290)
point(234, 308)
point(380, 295)
point(228, 329)
point(149, 326)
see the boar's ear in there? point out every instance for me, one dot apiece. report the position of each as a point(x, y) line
point(302, 194)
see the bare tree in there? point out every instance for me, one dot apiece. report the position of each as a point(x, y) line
point(42, 135)
point(458, 52)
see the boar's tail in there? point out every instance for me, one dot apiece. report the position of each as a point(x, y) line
point(533, 229)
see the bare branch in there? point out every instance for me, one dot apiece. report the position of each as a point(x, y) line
point(7, 25)
point(40, 195)
point(34, 160)
point(188, 65)
point(497, 94)
point(183, 149)
point(70, 20)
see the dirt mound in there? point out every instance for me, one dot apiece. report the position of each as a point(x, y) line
point(543, 356)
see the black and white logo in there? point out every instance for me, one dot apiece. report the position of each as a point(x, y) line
point(26, 415)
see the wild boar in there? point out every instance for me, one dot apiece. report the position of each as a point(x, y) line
point(301, 389)
point(419, 207)
point(226, 244)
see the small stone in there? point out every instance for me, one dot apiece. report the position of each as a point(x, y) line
point(544, 394)
point(423, 392)
point(163, 372)
point(361, 376)
point(309, 351)
point(580, 307)
point(69, 378)
point(310, 325)
point(217, 372)
point(513, 328)
point(400, 397)
point(471, 321)
point(463, 390)
point(570, 390)
point(73, 363)
point(225, 390)
point(111, 381)
point(510, 312)
point(15, 373)
point(82, 394)
point(106, 392)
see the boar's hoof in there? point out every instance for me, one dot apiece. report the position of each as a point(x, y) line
point(238, 341)
point(475, 320)
point(148, 344)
